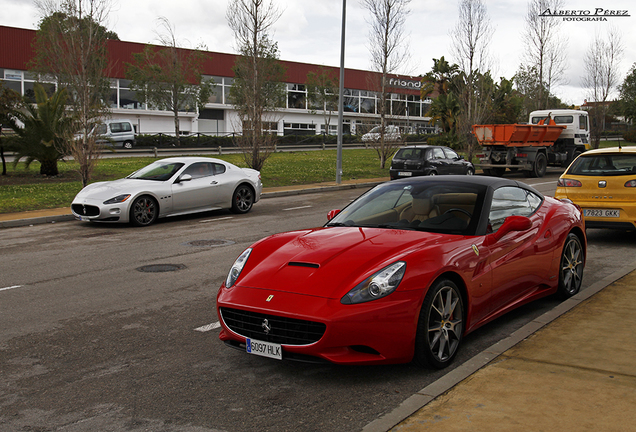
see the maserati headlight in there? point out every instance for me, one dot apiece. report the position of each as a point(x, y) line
point(237, 268)
point(378, 285)
point(117, 199)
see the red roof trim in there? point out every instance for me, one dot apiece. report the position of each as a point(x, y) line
point(16, 51)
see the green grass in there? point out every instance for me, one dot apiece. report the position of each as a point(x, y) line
point(24, 189)
point(606, 144)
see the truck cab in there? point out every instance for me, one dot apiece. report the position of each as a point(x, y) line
point(577, 126)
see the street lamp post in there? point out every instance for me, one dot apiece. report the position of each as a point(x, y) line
point(340, 96)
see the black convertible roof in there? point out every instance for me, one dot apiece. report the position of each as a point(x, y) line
point(489, 182)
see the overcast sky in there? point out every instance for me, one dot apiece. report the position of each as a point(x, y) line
point(309, 31)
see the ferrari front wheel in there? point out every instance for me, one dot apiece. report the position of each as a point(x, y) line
point(441, 325)
point(571, 269)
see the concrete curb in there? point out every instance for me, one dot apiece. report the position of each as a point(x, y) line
point(420, 399)
point(36, 221)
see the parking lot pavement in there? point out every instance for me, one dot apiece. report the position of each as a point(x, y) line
point(571, 368)
point(8, 220)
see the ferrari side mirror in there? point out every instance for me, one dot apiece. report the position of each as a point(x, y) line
point(512, 223)
point(332, 214)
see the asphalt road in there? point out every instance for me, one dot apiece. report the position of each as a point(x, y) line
point(89, 342)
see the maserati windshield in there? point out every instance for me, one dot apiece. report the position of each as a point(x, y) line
point(158, 171)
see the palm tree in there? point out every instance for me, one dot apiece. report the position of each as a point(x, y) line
point(46, 130)
point(445, 109)
point(439, 78)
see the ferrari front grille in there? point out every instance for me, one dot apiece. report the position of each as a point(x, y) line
point(272, 328)
point(85, 210)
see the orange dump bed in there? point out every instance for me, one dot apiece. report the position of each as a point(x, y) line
point(517, 135)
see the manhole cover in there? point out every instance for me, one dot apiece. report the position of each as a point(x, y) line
point(209, 243)
point(159, 268)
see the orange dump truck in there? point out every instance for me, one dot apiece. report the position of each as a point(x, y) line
point(552, 137)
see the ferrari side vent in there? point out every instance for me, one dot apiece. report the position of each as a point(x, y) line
point(272, 328)
point(303, 264)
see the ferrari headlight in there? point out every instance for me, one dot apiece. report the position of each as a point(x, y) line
point(117, 199)
point(237, 268)
point(378, 285)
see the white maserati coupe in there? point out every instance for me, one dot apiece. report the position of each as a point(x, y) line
point(170, 187)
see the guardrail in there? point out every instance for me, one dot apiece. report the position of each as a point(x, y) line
point(221, 150)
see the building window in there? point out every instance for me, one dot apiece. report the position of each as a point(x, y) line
point(351, 101)
point(333, 129)
point(12, 75)
point(296, 96)
point(128, 99)
point(299, 129)
point(398, 104)
point(29, 90)
point(413, 105)
point(367, 105)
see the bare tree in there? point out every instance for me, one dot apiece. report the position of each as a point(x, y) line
point(546, 49)
point(602, 61)
point(470, 39)
point(71, 45)
point(258, 89)
point(388, 55)
point(170, 78)
point(322, 91)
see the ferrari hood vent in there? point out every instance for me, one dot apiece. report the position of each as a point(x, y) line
point(303, 264)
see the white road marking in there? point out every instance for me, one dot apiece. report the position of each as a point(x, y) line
point(297, 208)
point(214, 220)
point(11, 287)
point(208, 327)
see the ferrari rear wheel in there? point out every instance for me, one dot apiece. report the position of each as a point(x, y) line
point(571, 270)
point(243, 199)
point(144, 211)
point(441, 325)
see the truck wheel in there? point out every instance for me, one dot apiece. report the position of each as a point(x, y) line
point(540, 166)
point(498, 172)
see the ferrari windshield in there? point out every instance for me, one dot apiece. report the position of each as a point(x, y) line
point(434, 206)
point(604, 165)
point(158, 171)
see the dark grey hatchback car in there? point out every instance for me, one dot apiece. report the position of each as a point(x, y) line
point(425, 160)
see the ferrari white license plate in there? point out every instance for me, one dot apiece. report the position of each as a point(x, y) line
point(265, 349)
point(405, 174)
point(611, 213)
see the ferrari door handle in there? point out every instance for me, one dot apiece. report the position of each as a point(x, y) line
point(214, 182)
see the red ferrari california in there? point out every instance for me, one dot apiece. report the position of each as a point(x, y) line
point(403, 272)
